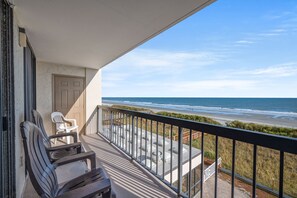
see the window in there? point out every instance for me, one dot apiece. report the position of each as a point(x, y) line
point(30, 81)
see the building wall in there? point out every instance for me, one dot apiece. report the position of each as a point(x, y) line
point(93, 98)
point(44, 89)
point(19, 110)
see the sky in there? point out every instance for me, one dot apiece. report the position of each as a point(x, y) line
point(232, 48)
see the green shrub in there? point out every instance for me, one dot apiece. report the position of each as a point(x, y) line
point(131, 108)
point(189, 117)
point(263, 128)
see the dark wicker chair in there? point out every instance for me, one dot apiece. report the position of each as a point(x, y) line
point(57, 152)
point(42, 171)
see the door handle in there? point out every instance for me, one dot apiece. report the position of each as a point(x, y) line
point(4, 123)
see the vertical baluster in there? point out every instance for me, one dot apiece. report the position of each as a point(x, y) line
point(281, 174)
point(129, 141)
point(137, 136)
point(190, 165)
point(122, 131)
point(157, 148)
point(98, 118)
point(180, 160)
point(171, 141)
point(216, 168)
point(233, 167)
point(254, 171)
point(114, 127)
point(194, 180)
point(111, 126)
point(126, 136)
point(151, 141)
point(102, 121)
point(164, 134)
point(140, 140)
point(145, 143)
point(117, 128)
point(133, 138)
point(202, 165)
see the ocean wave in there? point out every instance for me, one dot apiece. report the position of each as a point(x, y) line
point(206, 109)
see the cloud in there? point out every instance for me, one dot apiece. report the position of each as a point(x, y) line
point(280, 70)
point(163, 59)
point(279, 30)
point(284, 70)
point(147, 62)
point(268, 34)
point(274, 16)
point(244, 42)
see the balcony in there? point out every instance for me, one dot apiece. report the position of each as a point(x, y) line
point(172, 150)
point(148, 155)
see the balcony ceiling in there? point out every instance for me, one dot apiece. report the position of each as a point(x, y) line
point(92, 33)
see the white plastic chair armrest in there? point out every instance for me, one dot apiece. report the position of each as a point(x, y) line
point(73, 121)
point(71, 128)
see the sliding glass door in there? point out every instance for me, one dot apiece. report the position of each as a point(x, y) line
point(7, 130)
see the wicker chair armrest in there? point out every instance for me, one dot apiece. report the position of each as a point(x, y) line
point(89, 190)
point(76, 145)
point(73, 134)
point(81, 156)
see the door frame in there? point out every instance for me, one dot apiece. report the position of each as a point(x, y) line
point(7, 106)
point(28, 113)
point(84, 97)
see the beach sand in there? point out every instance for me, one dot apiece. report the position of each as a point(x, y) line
point(223, 118)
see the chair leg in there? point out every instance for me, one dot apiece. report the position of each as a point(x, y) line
point(55, 140)
point(106, 194)
point(68, 138)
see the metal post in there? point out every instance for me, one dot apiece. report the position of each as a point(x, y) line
point(157, 148)
point(98, 118)
point(233, 168)
point(137, 138)
point(111, 127)
point(190, 165)
point(145, 143)
point(202, 165)
point(133, 138)
point(281, 174)
point(140, 140)
point(254, 171)
point(163, 170)
point(216, 168)
point(171, 154)
point(151, 142)
point(180, 160)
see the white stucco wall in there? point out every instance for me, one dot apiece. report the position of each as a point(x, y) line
point(44, 89)
point(93, 98)
point(19, 110)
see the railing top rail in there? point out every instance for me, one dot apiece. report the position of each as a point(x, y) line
point(281, 143)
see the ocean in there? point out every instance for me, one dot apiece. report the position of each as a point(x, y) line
point(284, 108)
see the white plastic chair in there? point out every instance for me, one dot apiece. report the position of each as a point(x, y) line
point(63, 124)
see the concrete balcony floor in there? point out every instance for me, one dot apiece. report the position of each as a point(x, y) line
point(128, 179)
